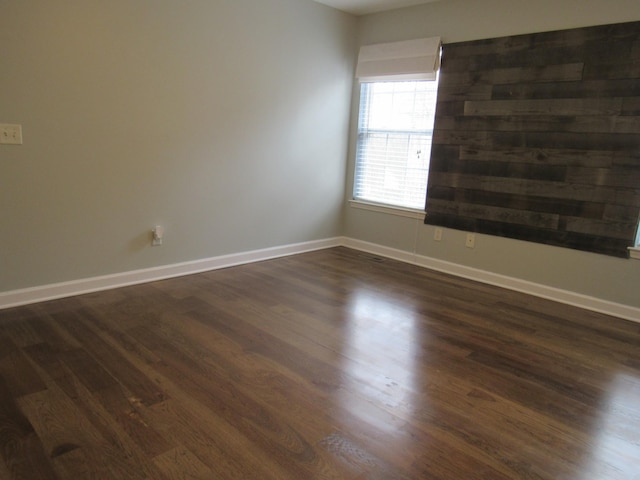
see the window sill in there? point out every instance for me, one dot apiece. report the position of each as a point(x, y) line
point(634, 252)
point(387, 209)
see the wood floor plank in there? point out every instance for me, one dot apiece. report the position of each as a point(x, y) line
point(21, 332)
point(17, 372)
point(20, 446)
point(264, 380)
point(115, 424)
point(126, 373)
point(52, 333)
point(63, 430)
point(198, 428)
point(268, 429)
point(125, 410)
point(217, 444)
point(332, 364)
point(181, 464)
point(83, 439)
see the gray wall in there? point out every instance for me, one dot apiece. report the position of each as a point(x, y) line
point(599, 276)
point(225, 121)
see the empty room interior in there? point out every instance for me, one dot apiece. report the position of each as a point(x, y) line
point(320, 239)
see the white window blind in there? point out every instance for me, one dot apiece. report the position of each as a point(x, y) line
point(394, 142)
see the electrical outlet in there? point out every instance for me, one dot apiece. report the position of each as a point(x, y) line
point(437, 234)
point(471, 240)
point(10, 134)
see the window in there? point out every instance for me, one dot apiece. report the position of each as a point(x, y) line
point(634, 252)
point(395, 130)
point(395, 127)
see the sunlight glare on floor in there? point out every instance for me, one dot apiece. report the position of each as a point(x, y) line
point(380, 352)
point(616, 453)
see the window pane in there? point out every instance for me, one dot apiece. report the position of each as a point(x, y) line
point(394, 142)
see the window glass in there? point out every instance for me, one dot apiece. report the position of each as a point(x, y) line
point(395, 129)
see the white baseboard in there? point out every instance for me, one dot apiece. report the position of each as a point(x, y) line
point(26, 296)
point(77, 287)
point(510, 283)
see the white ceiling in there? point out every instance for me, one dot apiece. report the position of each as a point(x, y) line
point(363, 7)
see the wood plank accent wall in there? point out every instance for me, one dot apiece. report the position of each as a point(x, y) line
point(537, 137)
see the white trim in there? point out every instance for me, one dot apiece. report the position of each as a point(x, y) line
point(77, 287)
point(26, 296)
point(634, 252)
point(375, 249)
point(388, 209)
point(510, 283)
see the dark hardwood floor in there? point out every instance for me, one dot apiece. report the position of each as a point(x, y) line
point(332, 364)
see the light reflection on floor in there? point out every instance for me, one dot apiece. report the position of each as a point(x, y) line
point(379, 328)
point(616, 453)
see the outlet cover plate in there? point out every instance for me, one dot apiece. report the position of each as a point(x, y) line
point(471, 240)
point(10, 134)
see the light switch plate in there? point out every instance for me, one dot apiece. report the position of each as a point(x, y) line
point(10, 134)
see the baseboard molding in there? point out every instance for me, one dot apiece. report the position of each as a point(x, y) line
point(27, 296)
point(543, 291)
point(77, 287)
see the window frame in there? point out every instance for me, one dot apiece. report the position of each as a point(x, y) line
point(367, 202)
point(634, 251)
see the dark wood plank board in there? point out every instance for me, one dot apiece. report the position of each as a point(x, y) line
point(553, 115)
